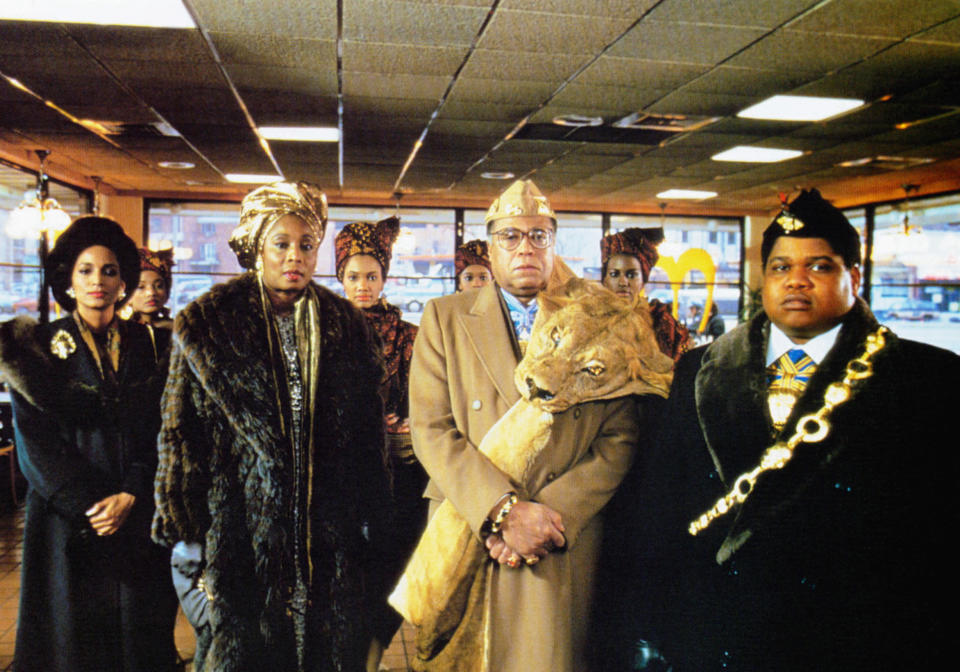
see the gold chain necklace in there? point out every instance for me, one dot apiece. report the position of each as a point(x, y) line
point(810, 429)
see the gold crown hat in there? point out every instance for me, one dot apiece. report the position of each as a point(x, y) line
point(521, 199)
point(265, 205)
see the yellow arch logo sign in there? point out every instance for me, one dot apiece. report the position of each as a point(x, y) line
point(695, 259)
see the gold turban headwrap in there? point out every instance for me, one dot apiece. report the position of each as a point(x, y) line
point(265, 205)
point(521, 199)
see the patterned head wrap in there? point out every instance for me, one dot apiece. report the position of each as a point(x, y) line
point(367, 238)
point(265, 205)
point(521, 199)
point(473, 252)
point(160, 262)
point(812, 216)
point(639, 243)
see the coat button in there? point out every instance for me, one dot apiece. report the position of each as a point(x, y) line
point(551, 476)
point(576, 414)
point(477, 404)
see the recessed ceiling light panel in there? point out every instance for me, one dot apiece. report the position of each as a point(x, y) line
point(301, 133)
point(799, 108)
point(176, 165)
point(689, 194)
point(748, 154)
point(153, 14)
point(497, 175)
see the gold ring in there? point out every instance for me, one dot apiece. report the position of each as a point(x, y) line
point(531, 561)
point(513, 561)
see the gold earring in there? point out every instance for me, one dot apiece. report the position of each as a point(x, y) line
point(72, 294)
point(259, 265)
point(123, 295)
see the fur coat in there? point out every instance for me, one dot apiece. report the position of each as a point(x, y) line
point(226, 479)
point(80, 439)
point(838, 561)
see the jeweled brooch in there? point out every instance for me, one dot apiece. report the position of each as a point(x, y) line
point(789, 224)
point(62, 344)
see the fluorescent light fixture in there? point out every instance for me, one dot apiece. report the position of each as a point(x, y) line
point(690, 194)
point(301, 133)
point(147, 13)
point(800, 108)
point(497, 175)
point(748, 154)
point(251, 178)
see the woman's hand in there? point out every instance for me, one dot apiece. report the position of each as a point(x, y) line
point(110, 513)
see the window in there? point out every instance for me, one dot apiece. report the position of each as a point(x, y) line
point(915, 277)
point(699, 264)
point(19, 257)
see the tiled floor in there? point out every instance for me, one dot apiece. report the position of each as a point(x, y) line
point(11, 543)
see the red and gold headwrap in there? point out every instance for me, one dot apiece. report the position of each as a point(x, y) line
point(265, 205)
point(472, 252)
point(374, 239)
point(160, 262)
point(639, 243)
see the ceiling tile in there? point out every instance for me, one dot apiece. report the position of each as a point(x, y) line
point(276, 50)
point(547, 34)
point(315, 20)
point(680, 42)
point(873, 18)
point(610, 71)
point(795, 51)
point(392, 59)
point(746, 13)
point(511, 65)
point(396, 22)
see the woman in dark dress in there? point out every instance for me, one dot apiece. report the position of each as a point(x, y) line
point(149, 299)
point(95, 590)
point(363, 252)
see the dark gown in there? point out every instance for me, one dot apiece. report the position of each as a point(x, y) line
point(408, 476)
point(87, 602)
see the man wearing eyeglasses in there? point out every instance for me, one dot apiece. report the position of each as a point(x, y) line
point(531, 610)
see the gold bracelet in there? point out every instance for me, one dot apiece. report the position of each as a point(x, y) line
point(502, 514)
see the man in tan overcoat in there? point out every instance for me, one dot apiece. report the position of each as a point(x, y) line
point(542, 560)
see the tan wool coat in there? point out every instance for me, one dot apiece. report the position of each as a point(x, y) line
point(461, 383)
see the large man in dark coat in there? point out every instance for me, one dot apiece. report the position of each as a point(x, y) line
point(830, 553)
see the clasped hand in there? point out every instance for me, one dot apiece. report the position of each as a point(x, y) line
point(530, 532)
point(110, 513)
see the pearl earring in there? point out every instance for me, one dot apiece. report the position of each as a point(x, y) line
point(123, 295)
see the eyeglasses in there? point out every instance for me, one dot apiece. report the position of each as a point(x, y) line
point(510, 239)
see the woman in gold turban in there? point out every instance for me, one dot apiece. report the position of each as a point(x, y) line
point(272, 487)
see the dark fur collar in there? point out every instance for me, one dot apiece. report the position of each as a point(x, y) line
point(731, 391)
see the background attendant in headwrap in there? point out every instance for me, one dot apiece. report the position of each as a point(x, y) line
point(271, 453)
point(148, 301)
point(627, 259)
point(842, 558)
point(363, 253)
point(95, 590)
point(472, 265)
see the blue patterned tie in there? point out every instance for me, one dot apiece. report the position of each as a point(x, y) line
point(787, 379)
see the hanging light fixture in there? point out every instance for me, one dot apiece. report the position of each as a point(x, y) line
point(37, 212)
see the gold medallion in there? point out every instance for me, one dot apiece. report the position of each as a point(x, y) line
point(788, 223)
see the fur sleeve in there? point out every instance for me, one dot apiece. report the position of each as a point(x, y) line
point(182, 479)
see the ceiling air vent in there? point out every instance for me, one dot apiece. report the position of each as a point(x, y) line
point(638, 129)
point(672, 123)
point(886, 162)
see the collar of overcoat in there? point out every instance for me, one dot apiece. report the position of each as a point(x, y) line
point(488, 329)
